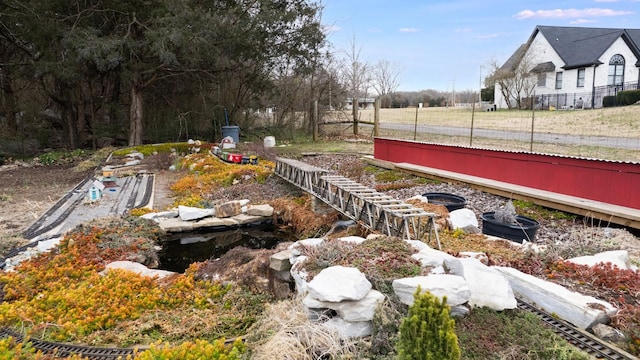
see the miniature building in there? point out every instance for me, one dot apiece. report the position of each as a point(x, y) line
point(95, 192)
point(109, 181)
point(107, 171)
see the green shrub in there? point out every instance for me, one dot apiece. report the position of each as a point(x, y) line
point(428, 332)
point(609, 101)
point(628, 97)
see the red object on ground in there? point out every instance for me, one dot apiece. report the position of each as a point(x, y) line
point(235, 158)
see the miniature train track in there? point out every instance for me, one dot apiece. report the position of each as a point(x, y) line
point(73, 197)
point(584, 341)
point(66, 350)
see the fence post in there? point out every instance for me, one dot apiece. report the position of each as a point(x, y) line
point(533, 120)
point(415, 126)
point(376, 117)
point(473, 113)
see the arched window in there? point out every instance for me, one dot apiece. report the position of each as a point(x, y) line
point(616, 70)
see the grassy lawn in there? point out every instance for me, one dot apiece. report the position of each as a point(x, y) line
point(617, 122)
point(611, 122)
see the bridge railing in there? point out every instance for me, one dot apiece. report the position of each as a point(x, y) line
point(375, 210)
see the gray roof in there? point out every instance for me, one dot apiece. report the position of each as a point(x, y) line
point(583, 46)
point(512, 62)
point(544, 67)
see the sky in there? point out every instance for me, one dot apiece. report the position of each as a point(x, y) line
point(447, 45)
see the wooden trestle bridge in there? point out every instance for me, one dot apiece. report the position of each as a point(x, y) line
point(374, 210)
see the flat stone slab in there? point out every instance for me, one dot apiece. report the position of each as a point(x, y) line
point(580, 310)
point(249, 219)
point(212, 222)
point(280, 260)
point(175, 225)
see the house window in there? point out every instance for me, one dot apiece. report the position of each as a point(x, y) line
point(616, 70)
point(581, 74)
point(542, 79)
point(559, 80)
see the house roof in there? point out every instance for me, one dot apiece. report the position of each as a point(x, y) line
point(544, 67)
point(581, 46)
point(512, 62)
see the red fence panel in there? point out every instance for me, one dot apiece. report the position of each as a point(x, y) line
point(612, 182)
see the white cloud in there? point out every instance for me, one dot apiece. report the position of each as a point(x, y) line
point(488, 36)
point(569, 13)
point(581, 21)
point(408, 30)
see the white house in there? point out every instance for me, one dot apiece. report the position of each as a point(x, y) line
point(572, 67)
point(363, 103)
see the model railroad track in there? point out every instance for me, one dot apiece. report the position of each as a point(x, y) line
point(578, 338)
point(73, 197)
point(66, 350)
point(87, 352)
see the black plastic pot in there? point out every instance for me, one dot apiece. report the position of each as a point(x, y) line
point(525, 229)
point(450, 201)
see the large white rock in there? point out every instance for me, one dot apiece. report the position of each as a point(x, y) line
point(488, 286)
point(306, 242)
point(349, 310)
point(352, 239)
point(619, 258)
point(338, 283)
point(156, 216)
point(138, 269)
point(47, 245)
point(12, 262)
point(462, 218)
point(455, 288)
point(417, 244)
point(431, 257)
point(298, 274)
point(295, 247)
point(188, 213)
point(348, 329)
point(580, 310)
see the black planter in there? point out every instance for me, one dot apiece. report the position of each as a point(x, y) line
point(525, 229)
point(450, 201)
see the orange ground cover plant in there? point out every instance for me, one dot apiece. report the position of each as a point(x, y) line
point(62, 296)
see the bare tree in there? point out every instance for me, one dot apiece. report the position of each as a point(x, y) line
point(514, 77)
point(355, 73)
point(385, 79)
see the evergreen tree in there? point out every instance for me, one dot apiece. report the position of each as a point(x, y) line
point(428, 332)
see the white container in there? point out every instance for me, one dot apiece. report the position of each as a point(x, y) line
point(269, 141)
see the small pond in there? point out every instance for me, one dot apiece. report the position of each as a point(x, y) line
point(179, 250)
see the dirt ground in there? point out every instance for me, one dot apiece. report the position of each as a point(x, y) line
point(28, 190)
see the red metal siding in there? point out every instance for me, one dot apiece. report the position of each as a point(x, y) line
point(611, 182)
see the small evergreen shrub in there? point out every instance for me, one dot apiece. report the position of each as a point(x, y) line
point(609, 101)
point(628, 97)
point(428, 332)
